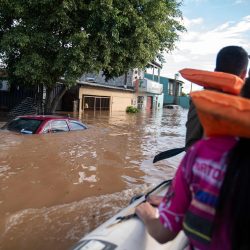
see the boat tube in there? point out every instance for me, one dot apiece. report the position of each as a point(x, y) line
point(125, 231)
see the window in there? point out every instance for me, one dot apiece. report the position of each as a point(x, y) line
point(46, 128)
point(140, 101)
point(76, 126)
point(59, 126)
point(171, 88)
point(24, 125)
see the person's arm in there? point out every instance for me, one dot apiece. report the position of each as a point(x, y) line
point(194, 130)
point(150, 216)
point(167, 223)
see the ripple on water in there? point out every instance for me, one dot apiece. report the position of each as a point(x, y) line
point(3, 169)
point(114, 154)
point(83, 177)
point(61, 226)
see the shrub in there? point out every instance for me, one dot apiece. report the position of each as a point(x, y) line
point(131, 109)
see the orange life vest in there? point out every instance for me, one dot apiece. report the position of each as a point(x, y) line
point(224, 82)
point(222, 114)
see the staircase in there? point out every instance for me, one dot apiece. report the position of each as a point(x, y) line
point(28, 106)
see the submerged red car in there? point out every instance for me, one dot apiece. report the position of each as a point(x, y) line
point(42, 124)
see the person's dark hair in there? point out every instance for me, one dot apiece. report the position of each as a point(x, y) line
point(245, 91)
point(232, 59)
point(235, 191)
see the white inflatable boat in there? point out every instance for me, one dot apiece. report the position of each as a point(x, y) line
point(125, 231)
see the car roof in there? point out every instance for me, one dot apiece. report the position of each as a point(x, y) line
point(46, 117)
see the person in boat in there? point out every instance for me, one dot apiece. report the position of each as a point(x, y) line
point(209, 197)
point(230, 59)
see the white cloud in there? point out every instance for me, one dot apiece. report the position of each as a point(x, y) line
point(190, 22)
point(242, 26)
point(198, 49)
point(239, 2)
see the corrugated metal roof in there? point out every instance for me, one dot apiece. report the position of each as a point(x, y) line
point(95, 84)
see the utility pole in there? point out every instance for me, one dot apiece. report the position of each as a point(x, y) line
point(175, 101)
point(191, 88)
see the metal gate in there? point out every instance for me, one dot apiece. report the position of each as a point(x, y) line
point(95, 102)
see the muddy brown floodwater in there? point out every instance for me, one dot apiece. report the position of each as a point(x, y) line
point(54, 188)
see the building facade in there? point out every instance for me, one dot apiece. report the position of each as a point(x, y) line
point(130, 89)
point(172, 90)
point(93, 96)
point(93, 92)
point(149, 94)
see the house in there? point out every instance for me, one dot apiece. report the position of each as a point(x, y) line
point(97, 97)
point(172, 89)
point(95, 93)
point(149, 91)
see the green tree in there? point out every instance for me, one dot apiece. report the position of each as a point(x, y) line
point(42, 41)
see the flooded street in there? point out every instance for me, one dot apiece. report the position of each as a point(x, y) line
point(57, 187)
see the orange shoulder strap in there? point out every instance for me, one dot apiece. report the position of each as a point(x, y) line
point(225, 82)
point(222, 114)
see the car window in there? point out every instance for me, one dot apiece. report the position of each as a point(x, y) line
point(24, 125)
point(76, 126)
point(59, 126)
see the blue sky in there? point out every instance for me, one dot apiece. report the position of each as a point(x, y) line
point(211, 25)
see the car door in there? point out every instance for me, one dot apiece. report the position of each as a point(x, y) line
point(74, 125)
point(59, 126)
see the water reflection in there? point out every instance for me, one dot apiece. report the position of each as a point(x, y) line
point(51, 183)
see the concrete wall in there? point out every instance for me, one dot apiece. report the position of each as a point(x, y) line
point(184, 101)
point(119, 100)
point(160, 101)
point(168, 99)
point(151, 77)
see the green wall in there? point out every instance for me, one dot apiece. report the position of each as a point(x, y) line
point(183, 101)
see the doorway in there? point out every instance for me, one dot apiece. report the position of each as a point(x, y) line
point(149, 102)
